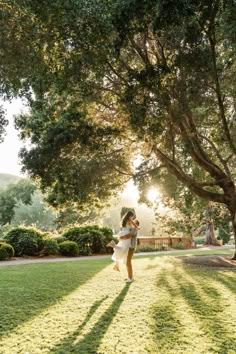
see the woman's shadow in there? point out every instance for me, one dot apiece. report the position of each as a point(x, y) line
point(91, 341)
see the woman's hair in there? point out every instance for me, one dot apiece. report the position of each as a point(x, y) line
point(126, 217)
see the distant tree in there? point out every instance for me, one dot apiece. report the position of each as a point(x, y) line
point(19, 192)
point(36, 213)
point(7, 206)
point(72, 216)
point(6, 179)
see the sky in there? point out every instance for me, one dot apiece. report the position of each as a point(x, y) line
point(9, 149)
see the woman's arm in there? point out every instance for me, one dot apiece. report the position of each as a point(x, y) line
point(133, 223)
point(125, 237)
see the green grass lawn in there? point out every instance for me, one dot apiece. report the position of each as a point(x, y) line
point(85, 307)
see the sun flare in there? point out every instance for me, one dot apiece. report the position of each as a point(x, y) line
point(153, 194)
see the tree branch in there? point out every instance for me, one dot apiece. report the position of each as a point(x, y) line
point(148, 172)
point(108, 89)
point(224, 163)
point(117, 73)
point(229, 157)
point(189, 133)
point(123, 173)
point(139, 51)
point(193, 185)
point(172, 138)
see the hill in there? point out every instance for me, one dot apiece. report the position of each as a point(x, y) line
point(6, 179)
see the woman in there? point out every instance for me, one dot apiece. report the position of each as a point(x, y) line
point(122, 249)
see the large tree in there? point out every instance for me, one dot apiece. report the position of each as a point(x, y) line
point(109, 79)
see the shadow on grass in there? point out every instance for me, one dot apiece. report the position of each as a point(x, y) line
point(67, 342)
point(26, 290)
point(211, 312)
point(205, 303)
point(167, 329)
point(91, 341)
point(227, 281)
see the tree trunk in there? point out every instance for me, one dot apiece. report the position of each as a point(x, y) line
point(234, 231)
point(210, 236)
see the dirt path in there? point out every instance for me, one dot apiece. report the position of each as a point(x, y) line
point(210, 261)
point(72, 259)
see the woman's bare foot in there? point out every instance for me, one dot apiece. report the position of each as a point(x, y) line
point(111, 244)
point(116, 267)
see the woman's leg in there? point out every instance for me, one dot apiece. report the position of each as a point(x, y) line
point(129, 263)
point(117, 266)
point(111, 244)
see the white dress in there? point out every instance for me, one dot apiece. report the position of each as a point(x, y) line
point(122, 248)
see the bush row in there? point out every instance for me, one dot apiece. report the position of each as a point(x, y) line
point(75, 241)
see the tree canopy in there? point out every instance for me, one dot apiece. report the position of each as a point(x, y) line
point(13, 193)
point(110, 80)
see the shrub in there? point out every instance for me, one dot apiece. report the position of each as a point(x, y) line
point(69, 248)
point(90, 239)
point(178, 246)
point(85, 251)
point(145, 248)
point(25, 241)
point(59, 239)
point(96, 240)
point(199, 240)
point(223, 235)
point(162, 247)
point(107, 234)
point(6, 251)
point(50, 247)
point(3, 254)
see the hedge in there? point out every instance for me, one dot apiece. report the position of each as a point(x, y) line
point(25, 241)
point(90, 239)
